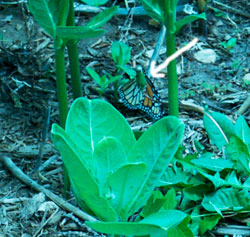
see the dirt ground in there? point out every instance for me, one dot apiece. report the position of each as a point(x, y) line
point(27, 88)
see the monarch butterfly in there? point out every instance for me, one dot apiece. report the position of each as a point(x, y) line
point(140, 93)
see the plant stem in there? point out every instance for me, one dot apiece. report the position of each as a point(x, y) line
point(61, 86)
point(62, 100)
point(74, 56)
point(172, 77)
point(170, 19)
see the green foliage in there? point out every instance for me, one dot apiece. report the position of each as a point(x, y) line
point(101, 153)
point(229, 45)
point(212, 186)
point(120, 53)
point(170, 223)
point(103, 81)
point(94, 2)
point(157, 10)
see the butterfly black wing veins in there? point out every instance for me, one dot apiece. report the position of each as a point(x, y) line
point(146, 99)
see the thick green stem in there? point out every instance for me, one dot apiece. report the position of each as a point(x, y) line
point(74, 56)
point(172, 78)
point(63, 101)
point(61, 86)
point(170, 20)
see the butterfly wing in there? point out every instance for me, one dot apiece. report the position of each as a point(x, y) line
point(146, 99)
point(131, 95)
point(152, 102)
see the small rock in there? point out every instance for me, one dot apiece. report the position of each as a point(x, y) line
point(246, 79)
point(205, 56)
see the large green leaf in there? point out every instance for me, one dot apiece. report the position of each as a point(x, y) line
point(156, 225)
point(227, 199)
point(156, 147)
point(89, 121)
point(77, 32)
point(242, 130)
point(100, 19)
point(40, 10)
point(84, 185)
point(124, 184)
point(108, 156)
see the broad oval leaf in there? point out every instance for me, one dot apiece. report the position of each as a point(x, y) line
point(89, 121)
point(83, 182)
point(109, 155)
point(156, 225)
point(156, 147)
point(124, 184)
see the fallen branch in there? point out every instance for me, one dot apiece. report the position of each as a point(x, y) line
point(18, 173)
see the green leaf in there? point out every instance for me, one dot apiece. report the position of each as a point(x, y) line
point(77, 32)
point(40, 10)
point(159, 202)
point(211, 163)
point(238, 153)
point(196, 192)
point(227, 199)
point(100, 19)
point(156, 147)
point(188, 19)
point(154, 204)
point(176, 177)
point(128, 70)
point(89, 121)
point(124, 184)
point(156, 225)
point(242, 130)
point(120, 53)
point(231, 43)
point(208, 223)
point(155, 9)
point(94, 2)
point(219, 128)
point(170, 200)
point(84, 185)
point(109, 155)
point(94, 75)
point(215, 179)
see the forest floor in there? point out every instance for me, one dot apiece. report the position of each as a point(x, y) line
point(27, 88)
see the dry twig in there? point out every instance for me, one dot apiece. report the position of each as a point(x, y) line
point(18, 173)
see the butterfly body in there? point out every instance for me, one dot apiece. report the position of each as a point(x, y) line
point(142, 95)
